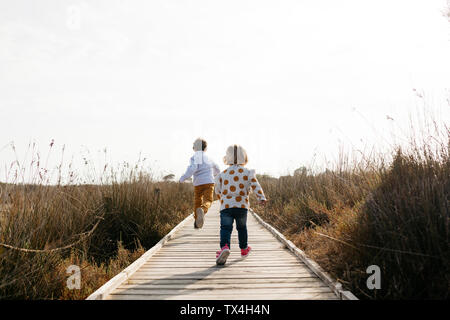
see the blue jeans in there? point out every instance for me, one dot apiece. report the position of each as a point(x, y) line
point(227, 216)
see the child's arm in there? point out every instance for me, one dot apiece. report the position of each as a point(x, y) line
point(216, 169)
point(189, 171)
point(218, 185)
point(256, 187)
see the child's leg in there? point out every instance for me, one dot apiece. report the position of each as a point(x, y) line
point(241, 226)
point(226, 227)
point(208, 196)
point(197, 199)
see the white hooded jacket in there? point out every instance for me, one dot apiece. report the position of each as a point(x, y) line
point(202, 168)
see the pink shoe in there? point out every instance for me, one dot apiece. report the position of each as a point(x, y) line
point(222, 255)
point(245, 252)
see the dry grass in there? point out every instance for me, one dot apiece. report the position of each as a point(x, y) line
point(394, 215)
point(135, 212)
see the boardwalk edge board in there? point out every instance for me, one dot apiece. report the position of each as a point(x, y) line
point(102, 292)
point(334, 285)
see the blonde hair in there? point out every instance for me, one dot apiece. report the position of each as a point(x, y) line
point(235, 154)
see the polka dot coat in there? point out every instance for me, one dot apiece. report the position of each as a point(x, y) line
point(233, 187)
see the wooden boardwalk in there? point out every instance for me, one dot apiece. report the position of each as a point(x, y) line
point(182, 266)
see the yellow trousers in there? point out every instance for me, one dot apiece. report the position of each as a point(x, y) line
point(203, 197)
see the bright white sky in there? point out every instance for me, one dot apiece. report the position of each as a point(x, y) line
point(286, 79)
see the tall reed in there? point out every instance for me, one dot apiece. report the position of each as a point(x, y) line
point(391, 214)
point(101, 227)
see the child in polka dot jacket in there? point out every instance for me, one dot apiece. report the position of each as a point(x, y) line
point(232, 187)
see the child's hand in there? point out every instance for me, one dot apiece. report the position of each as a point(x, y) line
point(263, 202)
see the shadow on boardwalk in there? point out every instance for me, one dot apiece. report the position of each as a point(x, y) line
point(181, 280)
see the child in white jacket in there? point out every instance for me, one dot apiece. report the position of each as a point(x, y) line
point(204, 170)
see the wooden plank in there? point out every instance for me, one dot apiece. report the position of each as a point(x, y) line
point(234, 252)
point(266, 252)
point(213, 271)
point(208, 256)
point(234, 275)
point(211, 264)
point(233, 255)
point(215, 244)
point(264, 235)
point(236, 258)
point(218, 286)
point(233, 261)
point(251, 296)
point(347, 295)
point(207, 264)
point(234, 235)
point(238, 276)
point(214, 249)
point(216, 240)
point(251, 281)
point(223, 292)
point(226, 268)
